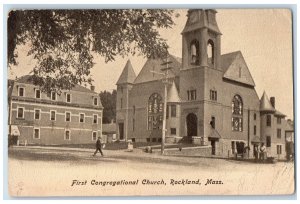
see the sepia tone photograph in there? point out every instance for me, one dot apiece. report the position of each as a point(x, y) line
point(150, 102)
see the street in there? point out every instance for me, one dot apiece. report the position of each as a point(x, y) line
point(75, 172)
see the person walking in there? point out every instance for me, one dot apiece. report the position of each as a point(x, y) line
point(263, 152)
point(98, 147)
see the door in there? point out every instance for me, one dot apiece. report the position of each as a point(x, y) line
point(213, 147)
point(191, 123)
point(121, 131)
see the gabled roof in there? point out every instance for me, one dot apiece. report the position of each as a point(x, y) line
point(214, 134)
point(155, 65)
point(27, 79)
point(173, 95)
point(236, 69)
point(128, 75)
point(265, 104)
point(109, 128)
point(279, 114)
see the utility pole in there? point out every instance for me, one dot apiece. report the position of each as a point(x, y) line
point(165, 82)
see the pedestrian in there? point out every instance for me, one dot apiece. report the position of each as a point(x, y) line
point(256, 152)
point(98, 147)
point(263, 151)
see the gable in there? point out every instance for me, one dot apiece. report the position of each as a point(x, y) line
point(238, 71)
point(147, 75)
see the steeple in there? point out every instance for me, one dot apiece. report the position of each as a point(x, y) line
point(128, 75)
point(201, 40)
point(173, 95)
point(265, 104)
point(201, 18)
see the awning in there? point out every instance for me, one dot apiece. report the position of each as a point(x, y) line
point(15, 130)
point(256, 139)
point(214, 134)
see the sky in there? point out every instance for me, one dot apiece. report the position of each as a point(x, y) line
point(264, 36)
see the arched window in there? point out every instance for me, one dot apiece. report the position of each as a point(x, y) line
point(210, 52)
point(237, 113)
point(194, 52)
point(155, 112)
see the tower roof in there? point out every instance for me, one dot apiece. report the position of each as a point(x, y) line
point(127, 75)
point(201, 18)
point(265, 104)
point(173, 95)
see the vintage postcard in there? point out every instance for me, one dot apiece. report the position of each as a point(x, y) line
point(150, 102)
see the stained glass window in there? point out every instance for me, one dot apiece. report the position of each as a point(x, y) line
point(155, 112)
point(237, 113)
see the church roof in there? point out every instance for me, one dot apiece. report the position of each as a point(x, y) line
point(265, 104)
point(155, 65)
point(127, 75)
point(173, 95)
point(236, 69)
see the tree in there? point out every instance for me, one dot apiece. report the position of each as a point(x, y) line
point(63, 41)
point(108, 101)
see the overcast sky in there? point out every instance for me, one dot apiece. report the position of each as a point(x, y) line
point(263, 36)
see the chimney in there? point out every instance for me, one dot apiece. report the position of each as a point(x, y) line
point(92, 88)
point(272, 100)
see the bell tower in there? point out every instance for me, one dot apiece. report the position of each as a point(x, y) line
point(201, 40)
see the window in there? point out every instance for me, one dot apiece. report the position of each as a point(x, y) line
point(213, 95)
point(53, 96)
point(173, 131)
point(254, 116)
point(94, 136)
point(210, 52)
point(279, 149)
point(37, 114)
point(68, 116)
point(36, 133)
point(133, 139)
point(81, 118)
point(95, 120)
point(95, 101)
point(213, 122)
point(173, 111)
point(67, 135)
point(254, 130)
point(68, 98)
point(194, 52)
point(279, 133)
point(192, 95)
point(21, 91)
point(268, 141)
point(155, 112)
point(37, 93)
point(133, 124)
point(148, 139)
point(20, 113)
point(153, 139)
point(237, 114)
point(278, 120)
point(159, 140)
point(269, 120)
point(121, 103)
point(52, 115)
point(133, 108)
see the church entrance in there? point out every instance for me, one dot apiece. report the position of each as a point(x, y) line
point(121, 131)
point(191, 123)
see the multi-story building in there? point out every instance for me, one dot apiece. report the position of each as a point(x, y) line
point(71, 117)
point(212, 100)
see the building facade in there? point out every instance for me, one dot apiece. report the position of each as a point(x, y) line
point(211, 98)
point(72, 117)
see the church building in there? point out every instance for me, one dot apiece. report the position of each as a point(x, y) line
point(211, 99)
